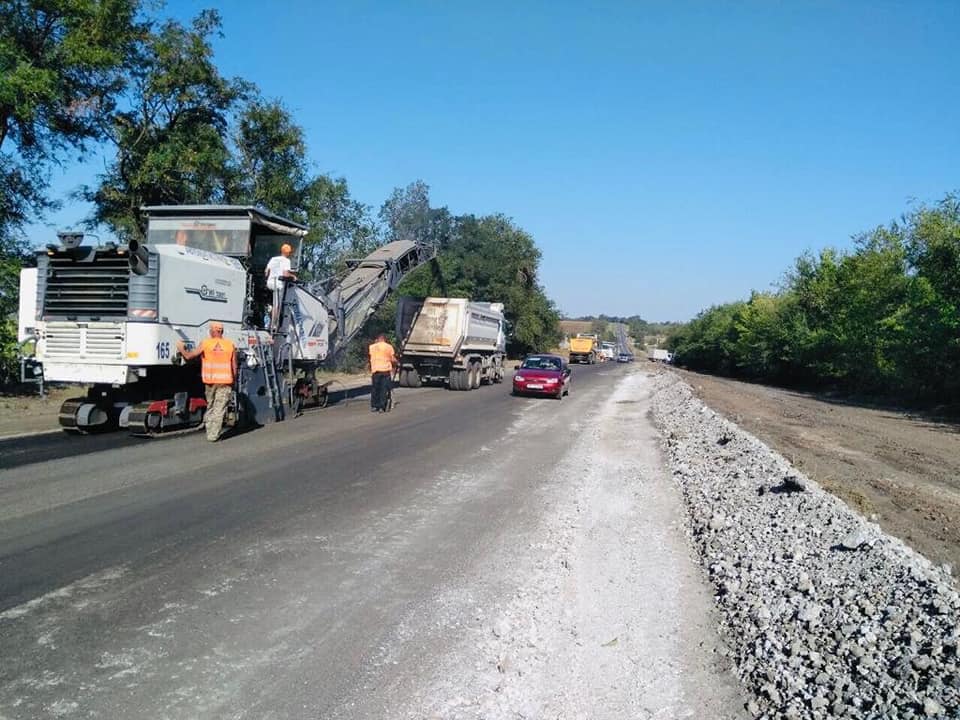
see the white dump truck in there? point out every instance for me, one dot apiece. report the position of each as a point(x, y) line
point(660, 355)
point(450, 340)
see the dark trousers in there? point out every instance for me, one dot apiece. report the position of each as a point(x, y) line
point(380, 382)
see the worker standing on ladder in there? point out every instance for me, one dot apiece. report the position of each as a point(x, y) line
point(218, 370)
point(383, 364)
point(278, 272)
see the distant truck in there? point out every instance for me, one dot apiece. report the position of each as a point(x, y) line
point(451, 340)
point(584, 348)
point(608, 350)
point(660, 355)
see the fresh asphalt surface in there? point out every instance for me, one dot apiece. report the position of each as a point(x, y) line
point(262, 576)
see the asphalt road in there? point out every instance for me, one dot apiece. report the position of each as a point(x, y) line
point(264, 576)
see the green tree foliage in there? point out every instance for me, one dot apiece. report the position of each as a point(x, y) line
point(173, 142)
point(340, 228)
point(13, 255)
point(62, 65)
point(270, 166)
point(491, 259)
point(271, 170)
point(883, 318)
point(407, 215)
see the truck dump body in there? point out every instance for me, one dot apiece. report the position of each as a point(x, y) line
point(444, 326)
point(583, 348)
point(581, 345)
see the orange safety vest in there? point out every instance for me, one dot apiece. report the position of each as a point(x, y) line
point(217, 361)
point(382, 357)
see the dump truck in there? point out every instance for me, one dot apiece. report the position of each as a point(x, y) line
point(660, 355)
point(584, 348)
point(608, 350)
point(452, 341)
point(107, 318)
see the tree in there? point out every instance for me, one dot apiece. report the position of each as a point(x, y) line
point(340, 228)
point(270, 160)
point(13, 255)
point(883, 318)
point(172, 143)
point(407, 215)
point(271, 170)
point(62, 65)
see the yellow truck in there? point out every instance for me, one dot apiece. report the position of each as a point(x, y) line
point(584, 348)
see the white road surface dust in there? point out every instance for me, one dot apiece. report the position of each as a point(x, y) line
point(600, 611)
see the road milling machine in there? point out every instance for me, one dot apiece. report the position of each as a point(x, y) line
point(109, 317)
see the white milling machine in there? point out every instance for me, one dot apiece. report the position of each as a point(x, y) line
point(109, 317)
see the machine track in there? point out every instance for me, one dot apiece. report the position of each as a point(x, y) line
point(161, 417)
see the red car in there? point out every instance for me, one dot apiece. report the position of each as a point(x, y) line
point(542, 375)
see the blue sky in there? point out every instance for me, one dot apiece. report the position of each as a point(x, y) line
point(665, 155)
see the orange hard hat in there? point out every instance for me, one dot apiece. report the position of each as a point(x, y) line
point(286, 248)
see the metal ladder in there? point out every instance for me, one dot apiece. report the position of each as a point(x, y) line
point(270, 375)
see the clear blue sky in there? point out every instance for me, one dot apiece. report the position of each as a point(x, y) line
point(666, 156)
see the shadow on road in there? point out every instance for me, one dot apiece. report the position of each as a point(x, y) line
point(55, 445)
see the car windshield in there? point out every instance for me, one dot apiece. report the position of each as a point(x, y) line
point(541, 363)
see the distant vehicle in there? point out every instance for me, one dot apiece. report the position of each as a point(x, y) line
point(624, 357)
point(660, 355)
point(542, 375)
point(608, 351)
point(584, 348)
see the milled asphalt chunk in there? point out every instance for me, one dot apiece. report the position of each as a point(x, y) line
point(827, 616)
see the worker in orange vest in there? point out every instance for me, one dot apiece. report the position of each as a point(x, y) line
point(218, 370)
point(383, 364)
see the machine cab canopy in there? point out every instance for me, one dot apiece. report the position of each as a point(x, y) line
point(243, 232)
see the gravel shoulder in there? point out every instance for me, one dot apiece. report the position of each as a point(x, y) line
point(826, 615)
point(896, 468)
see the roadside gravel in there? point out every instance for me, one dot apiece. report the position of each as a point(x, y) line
point(824, 614)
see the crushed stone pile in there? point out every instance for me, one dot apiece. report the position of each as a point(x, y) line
point(825, 615)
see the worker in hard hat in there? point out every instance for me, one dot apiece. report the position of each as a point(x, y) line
point(218, 370)
point(383, 364)
point(278, 272)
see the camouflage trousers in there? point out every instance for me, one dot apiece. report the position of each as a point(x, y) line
point(218, 396)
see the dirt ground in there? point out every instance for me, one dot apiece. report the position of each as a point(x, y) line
point(899, 469)
point(29, 413)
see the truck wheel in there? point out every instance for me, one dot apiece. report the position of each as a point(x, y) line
point(402, 380)
point(474, 376)
point(412, 378)
point(456, 380)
